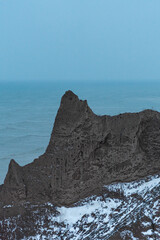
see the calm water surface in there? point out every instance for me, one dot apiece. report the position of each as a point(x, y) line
point(28, 110)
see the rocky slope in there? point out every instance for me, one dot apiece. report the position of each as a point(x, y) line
point(125, 211)
point(86, 152)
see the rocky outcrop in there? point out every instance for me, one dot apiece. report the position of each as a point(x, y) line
point(125, 211)
point(85, 153)
point(14, 188)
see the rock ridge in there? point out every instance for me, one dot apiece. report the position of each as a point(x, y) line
point(86, 152)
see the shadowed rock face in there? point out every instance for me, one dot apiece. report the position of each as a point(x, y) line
point(85, 152)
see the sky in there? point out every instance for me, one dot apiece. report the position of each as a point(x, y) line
point(58, 40)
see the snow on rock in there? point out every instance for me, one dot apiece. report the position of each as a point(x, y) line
point(149, 232)
point(74, 214)
point(136, 187)
point(128, 233)
point(7, 206)
point(124, 211)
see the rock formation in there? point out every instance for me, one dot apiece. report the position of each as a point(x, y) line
point(85, 153)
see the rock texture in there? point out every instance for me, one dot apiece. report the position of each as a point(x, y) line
point(125, 211)
point(85, 153)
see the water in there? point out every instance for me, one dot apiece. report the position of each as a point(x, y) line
point(28, 110)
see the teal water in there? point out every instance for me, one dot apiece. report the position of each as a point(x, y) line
point(28, 110)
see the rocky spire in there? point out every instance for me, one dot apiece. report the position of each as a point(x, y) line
point(85, 153)
point(14, 188)
point(71, 113)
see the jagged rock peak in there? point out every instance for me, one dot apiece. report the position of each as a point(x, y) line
point(85, 153)
point(69, 95)
point(14, 170)
point(72, 113)
point(13, 164)
point(71, 101)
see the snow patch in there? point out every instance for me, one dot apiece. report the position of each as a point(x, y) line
point(74, 214)
point(140, 187)
point(8, 206)
point(149, 232)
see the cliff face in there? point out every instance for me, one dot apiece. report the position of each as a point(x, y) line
point(85, 153)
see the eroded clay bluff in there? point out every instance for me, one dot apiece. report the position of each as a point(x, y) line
point(85, 153)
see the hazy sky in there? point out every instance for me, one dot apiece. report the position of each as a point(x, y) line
point(79, 39)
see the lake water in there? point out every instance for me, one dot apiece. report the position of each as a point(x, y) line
point(28, 110)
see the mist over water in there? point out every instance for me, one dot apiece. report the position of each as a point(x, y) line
point(28, 110)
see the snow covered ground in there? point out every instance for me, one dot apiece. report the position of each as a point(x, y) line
point(125, 211)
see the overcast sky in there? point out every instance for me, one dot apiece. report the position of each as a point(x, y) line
point(79, 40)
